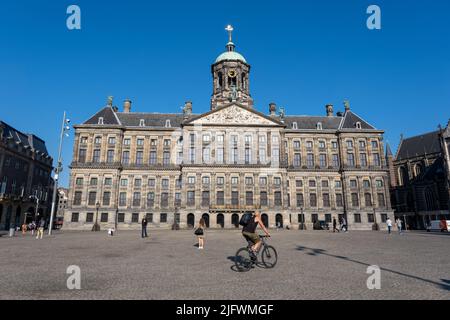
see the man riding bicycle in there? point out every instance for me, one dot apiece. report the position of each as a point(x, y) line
point(249, 231)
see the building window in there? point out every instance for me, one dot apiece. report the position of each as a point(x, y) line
point(81, 156)
point(300, 200)
point(100, 120)
point(334, 144)
point(235, 198)
point(135, 218)
point(219, 155)
point(192, 155)
point(168, 125)
point(262, 181)
point(349, 144)
point(191, 180)
point(296, 145)
point(138, 182)
point(110, 156)
point(339, 202)
point(262, 155)
point(124, 182)
point(153, 142)
point(248, 156)
point(206, 138)
point(376, 160)
point(353, 184)
point(374, 144)
point(379, 183)
point(383, 217)
point(121, 217)
point(220, 198)
point(83, 140)
point(94, 181)
point(126, 157)
point(310, 160)
point(322, 144)
point(326, 200)
point(366, 183)
point(166, 158)
point(206, 155)
point(370, 218)
point(319, 126)
point(381, 200)
point(355, 200)
point(165, 184)
point(77, 198)
point(75, 216)
point(122, 199)
point(163, 218)
point(164, 200)
point(220, 181)
point(151, 183)
point(191, 198)
point(141, 123)
point(363, 159)
point(297, 160)
point(350, 159)
point(362, 144)
point(177, 199)
point(104, 217)
point(324, 183)
point(89, 217)
point(79, 181)
point(277, 181)
point(152, 157)
point(220, 138)
point(234, 180)
point(249, 198)
point(263, 198)
point(312, 183)
point(112, 140)
point(126, 141)
point(106, 198)
point(368, 199)
point(150, 199)
point(328, 218)
point(136, 199)
point(278, 201)
point(358, 125)
point(205, 198)
point(294, 125)
point(357, 218)
point(313, 200)
point(139, 158)
point(323, 160)
point(314, 217)
point(299, 183)
point(96, 156)
point(92, 198)
point(248, 181)
point(149, 217)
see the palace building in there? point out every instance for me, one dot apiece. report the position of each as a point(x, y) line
point(177, 168)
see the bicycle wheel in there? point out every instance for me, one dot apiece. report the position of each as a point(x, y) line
point(269, 257)
point(242, 260)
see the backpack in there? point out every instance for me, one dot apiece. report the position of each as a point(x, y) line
point(245, 219)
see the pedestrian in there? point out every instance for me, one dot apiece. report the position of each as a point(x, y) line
point(32, 227)
point(40, 232)
point(335, 228)
point(389, 225)
point(144, 227)
point(24, 228)
point(399, 225)
point(200, 233)
point(343, 225)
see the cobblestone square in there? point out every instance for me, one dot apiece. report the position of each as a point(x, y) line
point(168, 265)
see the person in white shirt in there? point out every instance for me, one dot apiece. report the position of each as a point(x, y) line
point(389, 225)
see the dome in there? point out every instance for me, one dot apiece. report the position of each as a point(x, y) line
point(230, 55)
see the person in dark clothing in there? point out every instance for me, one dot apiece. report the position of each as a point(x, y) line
point(249, 231)
point(335, 228)
point(144, 227)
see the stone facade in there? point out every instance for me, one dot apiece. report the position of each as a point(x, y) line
point(25, 177)
point(178, 168)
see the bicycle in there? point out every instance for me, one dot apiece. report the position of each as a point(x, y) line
point(245, 259)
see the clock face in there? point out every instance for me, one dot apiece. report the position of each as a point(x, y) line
point(232, 73)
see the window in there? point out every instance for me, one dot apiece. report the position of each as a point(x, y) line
point(89, 217)
point(122, 199)
point(126, 141)
point(314, 217)
point(121, 217)
point(192, 155)
point(350, 159)
point(296, 144)
point(262, 139)
point(355, 200)
point(163, 218)
point(96, 156)
point(349, 144)
point(381, 200)
point(324, 183)
point(220, 198)
point(322, 144)
point(104, 217)
point(234, 140)
point(248, 139)
point(164, 200)
point(152, 157)
point(353, 184)
point(206, 155)
point(335, 160)
point(357, 218)
point(370, 218)
point(77, 198)
point(106, 198)
point(248, 155)
point(100, 120)
point(141, 123)
point(206, 138)
point(140, 142)
point(277, 198)
point(75, 216)
point(300, 200)
point(323, 160)
point(219, 155)
point(168, 125)
point(383, 217)
point(220, 138)
point(150, 199)
point(205, 180)
point(166, 158)
point(374, 144)
point(234, 155)
point(297, 160)
point(153, 142)
point(376, 160)
point(277, 181)
point(328, 218)
point(191, 198)
point(319, 126)
point(249, 198)
point(136, 199)
point(262, 155)
point(92, 198)
point(220, 181)
point(248, 181)
point(81, 156)
point(299, 183)
point(110, 156)
point(151, 182)
point(339, 202)
point(135, 218)
point(83, 140)
point(263, 181)
point(166, 142)
point(362, 144)
point(177, 199)
point(98, 140)
point(366, 184)
point(139, 158)
point(368, 199)
point(79, 181)
point(234, 180)
point(337, 184)
point(124, 182)
point(191, 180)
point(138, 182)
point(235, 198)
point(112, 140)
point(312, 183)
point(363, 159)
point(126, 157)
point(275, 139)
point(108, 181)
point(294, 125)
point(149, 217)
point(205, 198)
point(358, 125)
point(263, 198)
point(334, 144)
point(313, 200)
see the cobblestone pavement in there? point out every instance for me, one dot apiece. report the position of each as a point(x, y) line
point(168, 265)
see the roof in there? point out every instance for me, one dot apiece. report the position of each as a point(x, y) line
point(230, 55)
point(108, 115)
point(25, 139)
point(417, 146)
point(351, 119)
point(151, 119)
point(310, 122)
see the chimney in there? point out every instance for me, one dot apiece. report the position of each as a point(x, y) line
point(272, 109)
point(329, 108)
point(127, 106)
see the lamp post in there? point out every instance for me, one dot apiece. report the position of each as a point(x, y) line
point(375, 226)
point(302, 220)
point(96, 226)
point(59, 168)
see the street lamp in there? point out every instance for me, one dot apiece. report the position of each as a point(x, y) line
point(302, 220)
point(59, 168)
point(375, 226)
point(96, 226)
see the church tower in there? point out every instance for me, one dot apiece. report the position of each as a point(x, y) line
point(230, 74)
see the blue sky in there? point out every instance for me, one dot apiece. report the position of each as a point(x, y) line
point(304, 54)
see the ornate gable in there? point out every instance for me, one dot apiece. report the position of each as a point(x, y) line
point(234, 115)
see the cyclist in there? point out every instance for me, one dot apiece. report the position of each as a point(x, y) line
point(249, 232)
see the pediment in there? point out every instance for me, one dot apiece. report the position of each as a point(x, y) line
point(234, 115)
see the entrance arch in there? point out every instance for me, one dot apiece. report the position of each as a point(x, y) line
point(205, 217)
point(279, 220)
point(235, 220)
point(221, 220)
point(190, 220)
point(265, 219)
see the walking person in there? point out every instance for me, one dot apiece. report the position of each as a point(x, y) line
point(335, 228)
point(144, 227)
point(40, 232)
point(200, 233)
point(389, 225)
point(343, 224)
point(24, 228)
point(399, 226)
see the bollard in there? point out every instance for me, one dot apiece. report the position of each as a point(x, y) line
point(12, 232)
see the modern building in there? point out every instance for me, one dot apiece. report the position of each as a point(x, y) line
point(420, 183)
point(179, 168)
point(25, 177)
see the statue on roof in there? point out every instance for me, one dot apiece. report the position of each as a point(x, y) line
point(110, 100)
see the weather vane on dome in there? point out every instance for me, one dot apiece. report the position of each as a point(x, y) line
point(230, 30)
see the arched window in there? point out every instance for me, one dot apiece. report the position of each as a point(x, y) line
point(220, 80)
point(417, 169)
point(358, 125)
point(168, 125)
point(319, 126)
point(403, 176)
point(142, 123)
point(100, 120)
point(243, 81)
point(294, 126)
